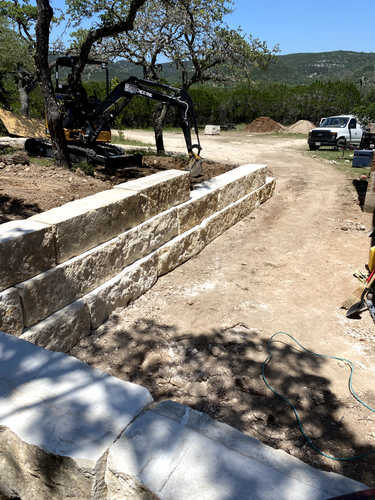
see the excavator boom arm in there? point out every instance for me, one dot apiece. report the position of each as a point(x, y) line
point(133, 86)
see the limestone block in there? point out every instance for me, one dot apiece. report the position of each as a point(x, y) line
point(214, 226)
point(147, 237)
point(62, 330)
point(50, 291)
point(66, 409)
point(34, 473)
point(160, 191)
point(132, 282)
point(11, 318)
point(267, 191)
point(212, 130)
point(179, 250)
point(83, 224)
point(26, 249)
point(181, 454)
point(217, 224)
point(236, 183)
point(201, 204)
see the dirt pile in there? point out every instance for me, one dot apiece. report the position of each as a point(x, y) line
point(300, 127)
point(264, 124)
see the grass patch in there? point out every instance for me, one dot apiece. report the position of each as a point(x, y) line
point(7, 150)
point(337, 159)
point(122, 139)
point(42, 162)
point(85, 166)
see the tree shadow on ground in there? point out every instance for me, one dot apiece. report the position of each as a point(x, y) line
point(11, 208)
point(219, 373)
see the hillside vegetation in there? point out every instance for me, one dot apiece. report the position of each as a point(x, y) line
point(292, 69)
point(297, 87)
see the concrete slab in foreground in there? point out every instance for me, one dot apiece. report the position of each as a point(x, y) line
point(178, 453)
point(61, 404)
point(70, 431)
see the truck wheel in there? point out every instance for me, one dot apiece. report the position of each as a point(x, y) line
point(341, 142)
point(313, 147)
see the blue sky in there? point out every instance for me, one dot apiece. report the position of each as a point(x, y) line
point(300, 25)
point(305, 25)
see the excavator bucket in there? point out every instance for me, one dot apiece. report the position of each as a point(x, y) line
point(22, 126)
point(194, 166)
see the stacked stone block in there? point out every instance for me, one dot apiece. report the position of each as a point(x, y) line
point(64, 271)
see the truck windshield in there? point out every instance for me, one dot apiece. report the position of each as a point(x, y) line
point(335, 121)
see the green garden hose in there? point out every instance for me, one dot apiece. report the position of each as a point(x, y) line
point(294, 409)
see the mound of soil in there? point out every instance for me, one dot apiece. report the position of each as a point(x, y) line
point(301, 127)
point(264, 124)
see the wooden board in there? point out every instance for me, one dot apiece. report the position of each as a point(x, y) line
point(22, 126)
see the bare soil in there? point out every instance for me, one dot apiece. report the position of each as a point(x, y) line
point(200, 335)
point(26, 190)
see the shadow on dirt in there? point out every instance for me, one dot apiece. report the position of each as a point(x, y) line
point(361, 188)
point(220, 374)
point(11, 207)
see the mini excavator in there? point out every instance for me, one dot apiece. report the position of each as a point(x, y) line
point(87, 120)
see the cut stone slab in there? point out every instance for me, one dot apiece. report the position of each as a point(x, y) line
point(178, 453)
point(62, 330)
point(202, 203)
point(26, 249)
point(130, 284)
point(214, 226)
point(11, 317)
point(212, 130)
point(83, 224)
point(62, 405)
point(236, 183)
point(54, 289)
point(179, 250)
point(144, 239)
point(160, 191)
point(35, 474)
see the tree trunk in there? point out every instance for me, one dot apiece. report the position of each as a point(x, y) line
point(24, 98)
point(54, 118)
point(159, 117)
point(26, 84)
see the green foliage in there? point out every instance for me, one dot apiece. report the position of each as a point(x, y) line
point(7, 150)
point(365, 113)
point(206, 103)
point(86, 167)
point(137, 114)
point(291, 69)
point(243, 105)
point(366, 110)
point(95, 89)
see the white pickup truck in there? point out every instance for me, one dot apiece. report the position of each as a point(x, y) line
point(336, 131)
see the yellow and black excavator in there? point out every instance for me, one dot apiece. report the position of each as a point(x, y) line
point(87, 120)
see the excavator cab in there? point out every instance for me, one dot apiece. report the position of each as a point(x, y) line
point(78, 108)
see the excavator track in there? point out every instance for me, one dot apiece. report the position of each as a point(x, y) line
point(108, 155)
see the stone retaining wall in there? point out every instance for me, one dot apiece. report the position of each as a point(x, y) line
point(64, 271)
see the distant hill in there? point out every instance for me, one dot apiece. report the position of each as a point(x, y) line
point(291, 69)
point(305, 68)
